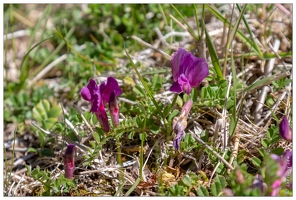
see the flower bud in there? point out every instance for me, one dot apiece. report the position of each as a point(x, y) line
point(69, 161)
point(285, 129)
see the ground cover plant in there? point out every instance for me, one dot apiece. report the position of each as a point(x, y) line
point(147, 100)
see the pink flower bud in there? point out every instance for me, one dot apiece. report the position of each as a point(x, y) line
point(69, 161)
point(285, 129)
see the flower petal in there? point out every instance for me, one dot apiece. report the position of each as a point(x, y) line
point(107, 89)
point(288, 156)
point(197, 71)
point(178, 139)
point(184, 84)
point(85, 93)
point(95, 103)
point(177, 63)
point(176, 88)
point(91, 93)
point(114, 109)
point(193, 68)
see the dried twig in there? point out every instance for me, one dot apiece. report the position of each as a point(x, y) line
point(168, 57)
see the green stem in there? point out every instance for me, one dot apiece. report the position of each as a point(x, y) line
point(168, 126)
point(141, 158)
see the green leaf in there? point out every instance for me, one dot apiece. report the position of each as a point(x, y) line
point(256, 161)
point(45, 114)
point(201, 191)
point(264, 81)
point(261, 151)
point(173, 114)
point(278, 151)
point(216, 188)
point(221, 180)
point(213, 55)
point(47, 152)
point(142, 136)
point(265, 142)
point(41, 139)
point(186, 180)
point(154, 129)
point(242, 155)
point(32, 150)
point(96, 137)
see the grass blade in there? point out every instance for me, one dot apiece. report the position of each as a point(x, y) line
point(142, 80)
point(190, 30)
point(250, 32)
point(49, 58)
point(24, 67)
point(240, 34)
point(266, 81)
point(213, 54)
point(133, 187)
point(231, 37)
point(233, 121)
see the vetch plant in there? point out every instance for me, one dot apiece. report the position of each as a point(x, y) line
point(69, 161)
point(99, 96)
point(188, 71)
point(285, 129)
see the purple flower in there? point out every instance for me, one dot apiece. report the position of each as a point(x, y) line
point(259, 183)
point(99, 96)
point(276, 186)
point(180, 123)
point(284, 170)
point(188, 71)
point(108, 88)
point(69, 161)
point(93, 94)
point(110, 92)
point(285, 129)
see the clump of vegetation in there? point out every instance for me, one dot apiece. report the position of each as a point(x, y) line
point(147, 100)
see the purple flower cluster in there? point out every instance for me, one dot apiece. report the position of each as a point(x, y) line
point(101, 95)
